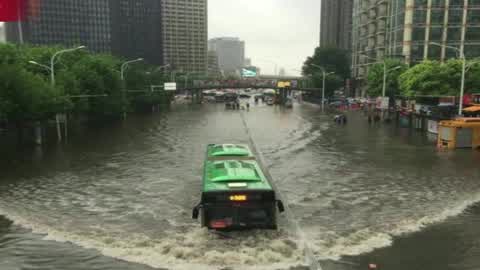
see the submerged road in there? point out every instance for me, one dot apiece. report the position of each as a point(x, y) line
point(121, 197)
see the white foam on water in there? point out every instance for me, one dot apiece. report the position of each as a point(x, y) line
point(194, 249)
point(331, 246)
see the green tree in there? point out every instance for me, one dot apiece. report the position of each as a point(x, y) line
point(26, 93)
point(472, 81)
point(96, 75)
point(431, 78)
point(25, 96)
point(332, 83)
point(332, 59)
point(375, 78)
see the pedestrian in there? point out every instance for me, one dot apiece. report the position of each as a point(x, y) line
point(248, 106)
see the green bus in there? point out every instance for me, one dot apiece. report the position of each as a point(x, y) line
point(236, 194)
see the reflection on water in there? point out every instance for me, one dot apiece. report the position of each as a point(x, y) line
point(126, 191)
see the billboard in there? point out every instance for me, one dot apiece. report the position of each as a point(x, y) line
point(171, 86)
point(249, 72)
point(283, 84)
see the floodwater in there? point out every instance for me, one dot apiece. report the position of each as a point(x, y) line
point(120, 197)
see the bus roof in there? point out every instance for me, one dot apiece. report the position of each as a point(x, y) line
point(231, 175)
point(223, 150)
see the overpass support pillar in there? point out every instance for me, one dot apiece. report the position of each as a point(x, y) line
point(283, 95)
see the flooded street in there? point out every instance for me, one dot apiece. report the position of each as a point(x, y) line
point(121, 197)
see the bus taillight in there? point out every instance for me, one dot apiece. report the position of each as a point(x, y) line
point(238, 198)
point(218, 224)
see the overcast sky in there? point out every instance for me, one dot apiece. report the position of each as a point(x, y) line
point(281, 31)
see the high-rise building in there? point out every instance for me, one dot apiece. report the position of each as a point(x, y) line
point(127, 28)
point(185, 34)
point(65, 22)
point(231, 53)
point(336, 24)
point(213, 68)
point(136, 29)
point(411, 30)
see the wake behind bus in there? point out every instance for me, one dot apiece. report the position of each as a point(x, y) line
point(236, 193)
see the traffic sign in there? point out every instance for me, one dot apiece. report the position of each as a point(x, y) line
point(170, 86)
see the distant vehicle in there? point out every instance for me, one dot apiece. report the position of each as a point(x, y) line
point(236, 193)
point(244, 95)
point(231, 96)
point(269, 92)
point(219, 96)
point(209, 93)
point(270, 102)
point(337, 103)
point(209, 99)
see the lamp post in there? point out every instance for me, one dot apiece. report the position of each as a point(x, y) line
point(52, 61)
point(38, 64)
point(161, 67)
point(173, 76)
point(385, 72)
point(122, 77)
point(325, 74)
point(51, 69)
point(125, 65)
point(461, 54)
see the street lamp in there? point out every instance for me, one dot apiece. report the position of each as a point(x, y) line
point(52, 61)
point(325, 74)
point(125, 65)
point(161, 67)
point(122, 77)
point(385, 72)
point(173, 75)
point(464, 70)
point(51, 68)
point(38, 64)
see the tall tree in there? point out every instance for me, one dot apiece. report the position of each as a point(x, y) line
point(332, 59)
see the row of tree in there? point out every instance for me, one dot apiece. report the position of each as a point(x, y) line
point(85, 83)
point(428, 78)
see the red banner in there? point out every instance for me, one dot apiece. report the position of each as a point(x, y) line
point(11, 10)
